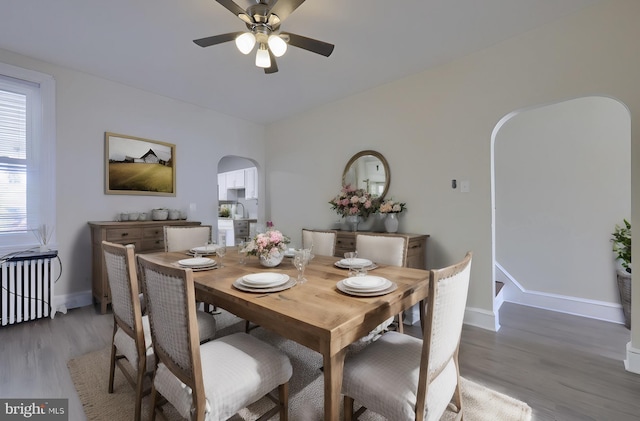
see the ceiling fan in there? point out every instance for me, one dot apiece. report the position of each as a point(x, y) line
point(263, 21)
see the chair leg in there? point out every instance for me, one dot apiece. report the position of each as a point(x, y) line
point(400, 325)
point(283, 395)
point(142, 366)
point(348, 408)
point(112, 363)
point(154, 403)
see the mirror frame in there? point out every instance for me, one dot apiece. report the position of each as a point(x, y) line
point(382, 159)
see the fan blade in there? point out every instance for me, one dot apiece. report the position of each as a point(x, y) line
point(236, 10)
point(216, 39)
point(274, 65)
point(284, 8)
point(310, 44)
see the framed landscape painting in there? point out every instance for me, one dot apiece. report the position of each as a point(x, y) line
point(138, 166)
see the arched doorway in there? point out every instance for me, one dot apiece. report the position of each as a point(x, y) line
point(238, 198)
point(561, 180)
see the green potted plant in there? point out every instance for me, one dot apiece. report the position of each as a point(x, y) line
point(621, 239)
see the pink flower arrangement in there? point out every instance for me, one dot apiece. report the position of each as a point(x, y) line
point(354, 202)
point(267, 244)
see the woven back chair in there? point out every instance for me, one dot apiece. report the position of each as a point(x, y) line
point(216, 379)
point(185, 238)
point(383, 249)
point(386, 250)
point(424, 375)
point(322, 243)
point(131, 339)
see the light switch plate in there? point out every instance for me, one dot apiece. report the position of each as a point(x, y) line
point(465, 186)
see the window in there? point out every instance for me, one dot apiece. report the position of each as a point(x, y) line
point(27, 157)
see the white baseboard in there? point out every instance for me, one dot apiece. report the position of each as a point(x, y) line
point(63, 302)
point(632, 363)
point(593, 309)
point(481, 318)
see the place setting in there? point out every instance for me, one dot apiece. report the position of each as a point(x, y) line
point(264, 282)
point(351, 261)
point(206, 250)
point(197, 264)
point(366, 286)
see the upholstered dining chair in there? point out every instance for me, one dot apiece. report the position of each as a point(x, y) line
point(214, 380)
point(383, 249)
point(131, 338)
point(322, 243)
point(177, 238)
point(423, 373)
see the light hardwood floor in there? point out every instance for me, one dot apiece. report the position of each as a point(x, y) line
point(565, 367)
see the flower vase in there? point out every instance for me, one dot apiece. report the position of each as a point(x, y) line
point(352, 222)
point(391, 222)
point(271, 260)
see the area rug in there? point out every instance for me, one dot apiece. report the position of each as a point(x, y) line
point(90, 376)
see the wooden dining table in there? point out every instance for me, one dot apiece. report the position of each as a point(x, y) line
point(314, 313)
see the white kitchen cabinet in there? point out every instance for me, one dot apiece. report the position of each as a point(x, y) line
point(222, 186)
point(251, 183)
point(235, 179)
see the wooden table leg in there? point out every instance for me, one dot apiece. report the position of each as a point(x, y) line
point(333, 368)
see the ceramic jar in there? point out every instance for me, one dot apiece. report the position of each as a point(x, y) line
point(391, 222)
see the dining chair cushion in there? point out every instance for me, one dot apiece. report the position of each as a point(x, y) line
point(127, 345)
point(322, 243)
point(386, 250)
point(236, 371)
point(385, 375)
point(185, 238)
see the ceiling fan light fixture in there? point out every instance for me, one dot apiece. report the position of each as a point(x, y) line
point(262, 57)
point(245, 42)
point(277, 45)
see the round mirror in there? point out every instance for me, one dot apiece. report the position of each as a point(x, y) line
point(368, 170)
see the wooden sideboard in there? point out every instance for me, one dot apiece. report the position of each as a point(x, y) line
point(146, 236)
point(416, 246)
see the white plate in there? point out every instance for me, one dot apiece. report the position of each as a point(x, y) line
point(366, 283)
point(196, 262)
point(239, 284)
point(264, 279)
point(341, 287)
point(210, 249)
point(357, 262)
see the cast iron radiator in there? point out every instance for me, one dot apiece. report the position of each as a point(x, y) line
point(27, 287)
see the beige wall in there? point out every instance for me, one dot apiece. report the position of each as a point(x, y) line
point(437, 126)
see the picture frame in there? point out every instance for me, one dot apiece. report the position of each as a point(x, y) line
point(138, 166)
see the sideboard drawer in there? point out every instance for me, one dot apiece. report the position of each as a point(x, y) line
point(152, 244)
point(153, 232)
point(119, 234)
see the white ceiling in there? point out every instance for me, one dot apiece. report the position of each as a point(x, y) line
point(148, 44)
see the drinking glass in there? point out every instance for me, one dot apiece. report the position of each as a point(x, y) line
point(242, 255)
point(220, 252)
point(350, 255)
point(300, 261)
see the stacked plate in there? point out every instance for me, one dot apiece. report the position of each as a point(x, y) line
point(366, 286)
point(207, 250)
point(356, 263)
point(264, 282)
point(197, 263)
